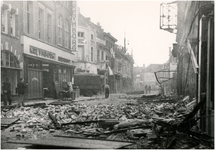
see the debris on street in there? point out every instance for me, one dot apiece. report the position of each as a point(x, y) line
point(144, 124)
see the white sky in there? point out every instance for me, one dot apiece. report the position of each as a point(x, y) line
point(139, 21)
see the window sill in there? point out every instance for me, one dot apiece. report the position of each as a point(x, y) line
point(11, 36)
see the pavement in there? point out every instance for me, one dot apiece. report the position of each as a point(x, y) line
point(50, 100)
point(77, 99)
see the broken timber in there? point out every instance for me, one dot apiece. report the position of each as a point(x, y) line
point(6, 122)
point(75, 143)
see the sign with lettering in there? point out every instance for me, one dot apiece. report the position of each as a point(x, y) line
point(74, 26)
point(42, 53)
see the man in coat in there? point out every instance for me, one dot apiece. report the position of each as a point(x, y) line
point(6, 92)
point(21, 91)
point(107, 90)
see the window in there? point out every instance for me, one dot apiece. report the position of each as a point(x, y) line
point(102, 55)
point(67, 34)
point(91, 54)
point(29, 18)
point(40, 24)
point(60, 30)
point(98, 55)
point(8, 60)
point(12, 24)
point(81, 34)
point(91, 36)
point(49, 28)
point(4, 21)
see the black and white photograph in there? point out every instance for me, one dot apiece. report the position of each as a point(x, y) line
point(113, 74)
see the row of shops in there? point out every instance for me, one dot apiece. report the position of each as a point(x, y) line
point(41, 65)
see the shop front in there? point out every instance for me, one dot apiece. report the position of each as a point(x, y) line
point(10, 68)
point(45, 68)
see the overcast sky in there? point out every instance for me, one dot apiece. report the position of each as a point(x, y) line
point(138, 21)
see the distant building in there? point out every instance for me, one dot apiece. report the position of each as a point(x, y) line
point(139, 78)
point(149, 76)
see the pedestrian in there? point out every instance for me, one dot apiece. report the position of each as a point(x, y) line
point(107, 90)
point(146, 89)
point(6, 92)
point(66, 88)
point(149, 89)
point(21, 92)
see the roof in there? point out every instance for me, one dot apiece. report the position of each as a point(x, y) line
point(109, 35)
point(153, 67)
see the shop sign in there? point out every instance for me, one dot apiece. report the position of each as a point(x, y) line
point(42, 53)
point(74, 25)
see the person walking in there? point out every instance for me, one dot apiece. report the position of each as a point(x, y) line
point(21, 91)
point(149, 89)
point(107, 90)
point(6, 92)
point(146, 89)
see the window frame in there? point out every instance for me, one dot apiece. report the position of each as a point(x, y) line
point(81, 34)
point(49, 28)
point(29, 17)
point(5, 11)
point(66, 41)
point(60, 30)
point(12, 24)
point(40, 23)
point(92, 52)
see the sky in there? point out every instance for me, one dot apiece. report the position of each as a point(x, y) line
point(138, 21)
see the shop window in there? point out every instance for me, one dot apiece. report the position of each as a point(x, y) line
point(34, 64)
point(60, 30)
point(12, 24)
point(8, 60)
point(67, 34)
point(4, 20)
point(56, 75)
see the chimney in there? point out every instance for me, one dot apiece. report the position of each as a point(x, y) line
point(98, 24)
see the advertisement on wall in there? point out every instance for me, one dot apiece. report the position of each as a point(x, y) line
point(74, 26)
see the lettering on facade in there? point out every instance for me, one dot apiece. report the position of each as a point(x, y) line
point(42, 53)
point(74, 22)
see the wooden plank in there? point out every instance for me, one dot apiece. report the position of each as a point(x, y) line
point(75, 143)
point(8, 121)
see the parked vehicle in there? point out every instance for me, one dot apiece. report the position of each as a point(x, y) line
point(89, 84)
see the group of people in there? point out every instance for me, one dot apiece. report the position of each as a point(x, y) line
point(148, 89)
point(21, 88)
point(6, 92)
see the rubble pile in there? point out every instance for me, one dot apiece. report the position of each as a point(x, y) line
point(147, 123)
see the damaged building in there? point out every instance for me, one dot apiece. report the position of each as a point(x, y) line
point(193, 24)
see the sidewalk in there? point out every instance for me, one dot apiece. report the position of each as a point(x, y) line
point(50, 100)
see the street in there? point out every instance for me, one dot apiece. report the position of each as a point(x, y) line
point(128, 118)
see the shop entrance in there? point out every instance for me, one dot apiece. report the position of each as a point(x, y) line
point(40, 79)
